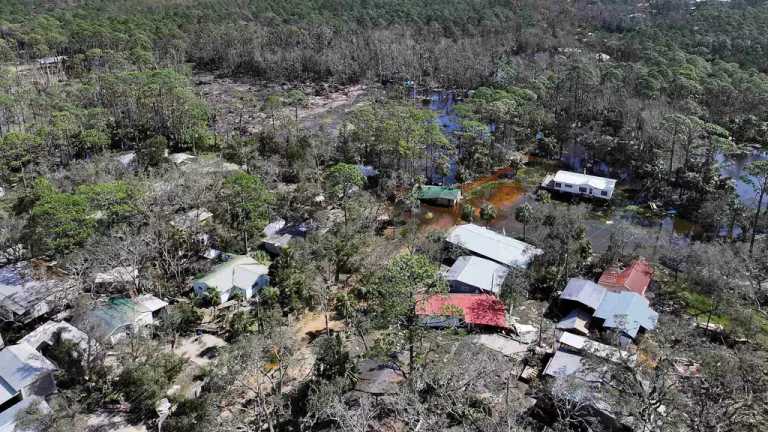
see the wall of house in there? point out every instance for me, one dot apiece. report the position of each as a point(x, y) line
point(459, 287)
point(577, 190)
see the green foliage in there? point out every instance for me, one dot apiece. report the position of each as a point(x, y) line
point(181, 318)
point(488, 212)
point(59, 222)
point(151, 153)
point(247, 205)
point(342, 178)
point(144, 382)
point(190, 414)
point(17, 151)
point(292, 281)
point(333, 360)
point(467, 212)
point(116, 201)
point(241, 323)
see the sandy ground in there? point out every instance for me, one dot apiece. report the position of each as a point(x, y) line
point(191, 347)
point(237, 104)
point(112, 423)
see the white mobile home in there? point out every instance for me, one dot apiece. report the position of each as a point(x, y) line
point(580, 184)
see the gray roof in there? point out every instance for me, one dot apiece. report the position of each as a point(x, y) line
point(378, 378)
point(19, 292)
point(585, 292)
point(478, 272)
point(492, 245)
point(627, 311)
point(237, 271)
point(577, 319)
point(563, 364)
point(45, 334)
point(20, 366)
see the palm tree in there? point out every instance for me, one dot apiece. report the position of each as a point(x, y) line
point(524, 215)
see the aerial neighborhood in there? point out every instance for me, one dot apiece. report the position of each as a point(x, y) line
point(396, 216)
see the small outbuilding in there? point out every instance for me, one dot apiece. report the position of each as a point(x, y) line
point(439, 195)
point(451, 310)
point(580, 184)
point(117, 318)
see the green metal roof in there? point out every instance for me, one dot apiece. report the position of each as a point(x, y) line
point(438, 192)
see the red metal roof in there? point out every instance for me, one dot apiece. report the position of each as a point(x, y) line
point(479, 309)
point(634, 278)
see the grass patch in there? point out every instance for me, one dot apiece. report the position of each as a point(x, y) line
point(484, 190)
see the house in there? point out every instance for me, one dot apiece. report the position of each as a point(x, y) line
point(24, 296)
point(191, 219)
point(439, 195)
point(580, 184)
point(583, 292)
point(494, 246)
point(237, 274)
point(635, 278)
point(628, 312)
point(46, 335)
point(471, 274)
point(117, 318)
point(279, 235)
point(451, 310)
point(25, 376)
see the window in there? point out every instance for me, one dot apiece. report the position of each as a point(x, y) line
point(583, 190)
point(568, 186)
point(558, 185)
point(604, 193)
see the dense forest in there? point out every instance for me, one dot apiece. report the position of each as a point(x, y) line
point(152, 140)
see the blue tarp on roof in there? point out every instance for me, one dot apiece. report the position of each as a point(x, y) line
point(627, 311)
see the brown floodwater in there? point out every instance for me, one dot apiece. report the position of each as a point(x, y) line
point(495, 189)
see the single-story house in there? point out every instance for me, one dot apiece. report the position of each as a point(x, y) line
point(471, 274)
point(628, 312)
point(451, 310)
point(192, 218)
point(24, 374)
point(23, 297)
point(635, 278)
point(439, 195)
point(238, 273)
point(580, 184)
point(46, 334)
point(279, 235)
point(489, 244)
point(119, 317)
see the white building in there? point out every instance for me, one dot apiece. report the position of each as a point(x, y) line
point(237, 274)
point(26, 376)
point(471, 274)
point(492, 245)
point(580, 184)
point(119, 317)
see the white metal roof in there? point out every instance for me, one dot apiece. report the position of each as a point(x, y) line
point(478, 272)
point(149, 303)
point(21, 365)
point(45, 334)
point(584, 291)
point(500, 248)
point(575, 178)
point(239, 270)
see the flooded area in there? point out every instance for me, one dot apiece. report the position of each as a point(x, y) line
point(506, 190)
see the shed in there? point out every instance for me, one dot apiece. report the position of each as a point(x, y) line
point(576, 320)
point(474, 309)
point(628, 312)
point(471, 274)
point(563, 364)
point(489, 244)
point(238, 273)
point(580, 184)
point(439, 195)
point(635, 278)
point(584, 292)
point(378, 378)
